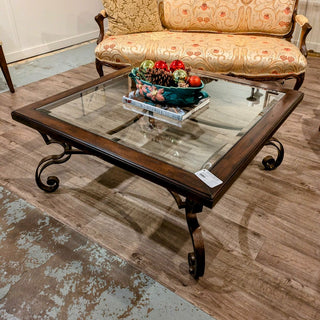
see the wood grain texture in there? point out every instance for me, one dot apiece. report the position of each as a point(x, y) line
point(262, 238)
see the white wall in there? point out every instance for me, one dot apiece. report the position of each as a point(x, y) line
point(32, 27)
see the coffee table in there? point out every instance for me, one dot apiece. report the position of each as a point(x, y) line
point(221, 139)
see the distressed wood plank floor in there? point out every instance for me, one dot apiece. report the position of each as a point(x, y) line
point(262, 238)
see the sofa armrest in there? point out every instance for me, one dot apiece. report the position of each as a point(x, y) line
point(303, 22)
point(99, 19)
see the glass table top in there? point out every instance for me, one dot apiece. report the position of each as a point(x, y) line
point(196, 143)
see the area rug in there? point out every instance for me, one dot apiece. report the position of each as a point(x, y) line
point(48, 271)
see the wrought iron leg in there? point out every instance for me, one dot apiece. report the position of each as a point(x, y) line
point(196, 259)
point(269, 162)
point(52, 181)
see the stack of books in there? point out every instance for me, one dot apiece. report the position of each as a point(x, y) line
point(167, 113)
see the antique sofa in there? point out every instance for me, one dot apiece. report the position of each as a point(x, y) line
point(244, 38)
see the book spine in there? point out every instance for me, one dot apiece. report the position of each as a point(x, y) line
point(195, 109)
point(152, 108)
point(153, 115)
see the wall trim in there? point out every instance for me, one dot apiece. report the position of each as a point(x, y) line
point(47, 47)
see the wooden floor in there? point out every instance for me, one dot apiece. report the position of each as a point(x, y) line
point(262, 239)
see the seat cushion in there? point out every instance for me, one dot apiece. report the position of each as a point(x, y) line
point(245, 55)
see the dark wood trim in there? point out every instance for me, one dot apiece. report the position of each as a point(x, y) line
point(116, 66)
point(5, 70)
point(99, 67)
point(299, 81)
point(304, 33)
point(99, 18)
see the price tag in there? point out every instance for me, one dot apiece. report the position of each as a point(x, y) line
point(208, 178)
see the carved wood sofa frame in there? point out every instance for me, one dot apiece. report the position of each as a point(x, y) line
point(301, 20)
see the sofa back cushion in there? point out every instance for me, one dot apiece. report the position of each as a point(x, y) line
point(132, 16)
point(263, 16)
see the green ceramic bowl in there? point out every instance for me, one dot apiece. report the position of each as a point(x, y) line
point(168, 95)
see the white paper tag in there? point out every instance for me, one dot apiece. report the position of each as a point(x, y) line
point(208, 178)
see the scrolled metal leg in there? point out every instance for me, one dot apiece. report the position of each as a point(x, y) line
point(196, 259)
point(269, 162)
point(52, 181)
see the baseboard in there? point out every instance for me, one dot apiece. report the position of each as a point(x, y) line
point(47, 47)
point(314, 46)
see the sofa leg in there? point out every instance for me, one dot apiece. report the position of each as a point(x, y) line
point(99, 67)
point(5, 70)
point(299, 81)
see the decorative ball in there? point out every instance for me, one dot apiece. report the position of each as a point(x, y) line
point(145, 65)
point(179, 75)
point(176, 64)
point(160, 64)
point(194, 81)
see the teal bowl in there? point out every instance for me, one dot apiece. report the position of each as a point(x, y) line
point(168, 95)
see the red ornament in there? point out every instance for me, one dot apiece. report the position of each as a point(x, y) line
point(176, 64)
point(194, 81)
point(160, 64)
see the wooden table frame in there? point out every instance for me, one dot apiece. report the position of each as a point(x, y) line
point(179, 182)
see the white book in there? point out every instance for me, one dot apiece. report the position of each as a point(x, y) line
point(178, 113)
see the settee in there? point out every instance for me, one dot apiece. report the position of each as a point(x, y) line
point(244, 38)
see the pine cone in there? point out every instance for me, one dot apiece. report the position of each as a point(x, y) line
point(163, 78)
point(160, 77)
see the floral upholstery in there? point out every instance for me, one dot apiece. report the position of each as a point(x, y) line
point(245, 55)
point(132, 16)
point(265, 16)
